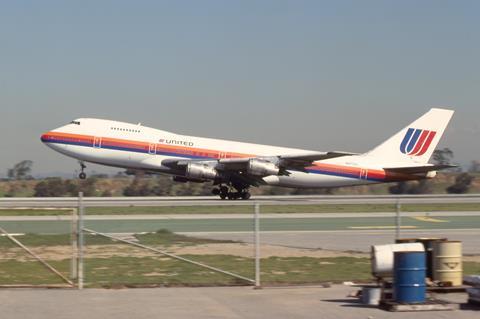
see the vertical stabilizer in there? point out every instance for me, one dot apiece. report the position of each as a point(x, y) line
point(415, 143)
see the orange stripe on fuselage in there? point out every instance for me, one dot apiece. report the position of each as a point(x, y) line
point(215, 154)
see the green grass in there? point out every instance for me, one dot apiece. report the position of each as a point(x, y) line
point(30, 272)
point(275, 270)
point(344, 208)
point(130, 271)
point(167, 238)
point(34, 212)
point(34, 240)
point(161, 237)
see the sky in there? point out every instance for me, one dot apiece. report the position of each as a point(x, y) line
point(319, 75)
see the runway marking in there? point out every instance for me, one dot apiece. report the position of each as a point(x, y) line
point(430, 219)
point(381, 227)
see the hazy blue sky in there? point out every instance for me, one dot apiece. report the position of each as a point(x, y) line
point(321, 75)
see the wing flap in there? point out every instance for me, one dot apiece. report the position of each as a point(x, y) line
point(304, 160)
point(418, 169)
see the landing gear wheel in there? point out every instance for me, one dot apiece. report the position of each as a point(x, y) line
point(232, 193)
point(245, 195)
point(82, 175)
point(223, 192)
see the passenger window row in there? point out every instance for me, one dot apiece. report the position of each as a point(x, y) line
point(124, 129)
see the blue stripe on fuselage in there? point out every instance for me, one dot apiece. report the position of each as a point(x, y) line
point(140, 150)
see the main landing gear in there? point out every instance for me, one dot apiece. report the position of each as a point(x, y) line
point(82, 174)
point(231, 192)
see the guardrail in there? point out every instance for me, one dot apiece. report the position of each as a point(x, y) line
point(29, 202)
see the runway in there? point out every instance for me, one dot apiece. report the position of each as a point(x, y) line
point(329, 230)
point(241, 216)
point(345, 240)
point(336, 231)
point(215, 201)
point(209, 223)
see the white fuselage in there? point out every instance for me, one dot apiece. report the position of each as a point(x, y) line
point(133, 146)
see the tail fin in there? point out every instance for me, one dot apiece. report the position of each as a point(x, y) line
point(416, 142)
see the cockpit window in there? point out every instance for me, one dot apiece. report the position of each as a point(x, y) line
point(75, 122)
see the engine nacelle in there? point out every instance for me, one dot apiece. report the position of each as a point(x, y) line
point(200, 171)
point(431, 174)
point(262, 168)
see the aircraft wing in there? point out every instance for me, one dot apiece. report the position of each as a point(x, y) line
point(300, 161)
point(418, 169)
point(248, 170)
point(294, 161)
point(284, 162)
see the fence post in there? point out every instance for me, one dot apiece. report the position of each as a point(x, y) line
point(257, 245)
point(74, 239)
point(398, 220)
point(80, 241)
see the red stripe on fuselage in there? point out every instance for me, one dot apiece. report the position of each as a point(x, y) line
point(353, 172)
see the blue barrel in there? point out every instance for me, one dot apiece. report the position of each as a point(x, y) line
point(409, 277)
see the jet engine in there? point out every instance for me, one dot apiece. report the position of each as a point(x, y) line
point(200, 171)
point(262, 168)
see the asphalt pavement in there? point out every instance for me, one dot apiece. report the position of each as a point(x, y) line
point(199, 303)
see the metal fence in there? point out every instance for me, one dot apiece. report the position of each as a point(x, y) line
point(299, 234)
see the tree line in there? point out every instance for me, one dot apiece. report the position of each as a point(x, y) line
point(159, 185)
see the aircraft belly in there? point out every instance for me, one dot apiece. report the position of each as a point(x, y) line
point(309, 180)
point(103, 156)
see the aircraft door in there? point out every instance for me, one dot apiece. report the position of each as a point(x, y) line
point(363, 173)
point(97, 142)
point(152, 148)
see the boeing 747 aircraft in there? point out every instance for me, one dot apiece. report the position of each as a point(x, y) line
point(233, 167)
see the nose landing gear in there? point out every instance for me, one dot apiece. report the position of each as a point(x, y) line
point(82, 174)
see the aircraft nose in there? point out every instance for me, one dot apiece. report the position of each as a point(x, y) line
point(45, 137)
point(49, 137)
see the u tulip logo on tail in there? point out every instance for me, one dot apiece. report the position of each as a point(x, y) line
point(416, 141)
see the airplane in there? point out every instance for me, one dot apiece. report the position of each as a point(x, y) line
point(233, 167)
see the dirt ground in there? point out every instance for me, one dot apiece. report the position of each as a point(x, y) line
point(235, 249)
point(106, 251)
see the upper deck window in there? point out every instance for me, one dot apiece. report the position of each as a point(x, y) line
point(125, 129)
point(75, 122)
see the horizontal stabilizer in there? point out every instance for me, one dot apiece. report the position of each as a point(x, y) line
point(418, 169)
